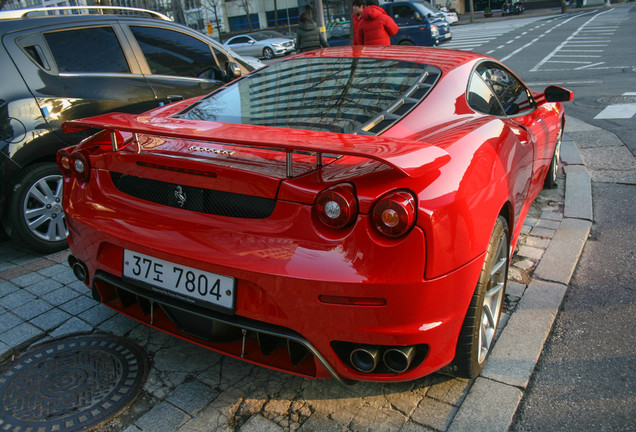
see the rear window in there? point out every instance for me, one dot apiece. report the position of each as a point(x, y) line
point(328, 94)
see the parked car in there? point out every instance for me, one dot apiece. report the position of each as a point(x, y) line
point(263, 44)
point(61, 67)
point(342, 212)
point(451, 17)
point(419, 25)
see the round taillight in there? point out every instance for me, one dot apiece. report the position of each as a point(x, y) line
point(394, 214)
point(337, 207)
point(64, 162)
point(80, 166)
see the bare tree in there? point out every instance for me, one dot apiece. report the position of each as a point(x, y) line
point(2, 3)
point(213, 6)
point(245, 4)
point(177, 10)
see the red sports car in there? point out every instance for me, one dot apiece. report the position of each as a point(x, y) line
point(348, 212)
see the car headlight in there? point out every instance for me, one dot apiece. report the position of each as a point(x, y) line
point(434, 30)
point(277, 45)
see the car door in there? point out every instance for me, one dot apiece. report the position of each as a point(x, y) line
point(485, 94)
point(177, 64)
point(522, 112)
point(76, 71)
point(244, 45)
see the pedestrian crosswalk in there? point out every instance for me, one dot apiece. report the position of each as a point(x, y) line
point(469, 38)
point(621, 110)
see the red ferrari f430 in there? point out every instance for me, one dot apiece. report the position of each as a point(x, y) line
point(348, 212)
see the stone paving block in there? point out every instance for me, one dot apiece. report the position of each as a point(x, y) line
point(548, 224)
point(51, 319)
point(551, 215)
point(16, 299)
point(578, 200)
point(323, 424)
point(515, 288)
point(60, 296)
point(7, 288)
point(258, 423)
point(542, 232)
point(489, 407)
point(43, 287)
point(97, 314)
point(53, 270)
point(8, 320)
point(433, 413)
point(517, 351)
point(118, 325)
point(27, 279)
point(216, 415)
point(537, 242)
point(21, 334)
point(73, 325)
point(5, 350)
point(32, 309)
point(560, 258)
point(530, 252)
point(192, 396)
point(65, 277)
point(569, 153)
point(79, 305)
point(452, 391)
point(164, 417)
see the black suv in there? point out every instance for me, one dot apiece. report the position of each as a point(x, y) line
point(61, 67)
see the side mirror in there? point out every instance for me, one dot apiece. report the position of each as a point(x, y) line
point(557, 94)
point(234, 70)
point(251, 42)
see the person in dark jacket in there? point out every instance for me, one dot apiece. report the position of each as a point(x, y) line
point(375, 27)
point(308, 36)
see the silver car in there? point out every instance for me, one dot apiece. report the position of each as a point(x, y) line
point(267, 44)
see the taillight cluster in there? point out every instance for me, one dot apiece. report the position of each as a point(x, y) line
point(337, 207)
point(393, 215)
point(74, 164)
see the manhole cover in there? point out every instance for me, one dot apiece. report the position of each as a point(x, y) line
point(617, 100)
point(71, 384)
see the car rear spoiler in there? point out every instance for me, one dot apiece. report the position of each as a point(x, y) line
point(412, 158)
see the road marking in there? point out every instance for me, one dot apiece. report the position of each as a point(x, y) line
point(618, 111)
point(569, 42)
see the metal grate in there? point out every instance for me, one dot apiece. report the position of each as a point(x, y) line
point(194, 198)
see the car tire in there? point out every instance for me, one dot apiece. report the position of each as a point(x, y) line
point(477, 335)
point(268, 53)
point(551, 176)
point(406, 43)
point(34, 215)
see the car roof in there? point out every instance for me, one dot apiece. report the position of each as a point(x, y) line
point(17, 20)
point(444, 59)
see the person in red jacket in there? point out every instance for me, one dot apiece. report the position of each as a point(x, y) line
point(375, 26)
point(358, 7)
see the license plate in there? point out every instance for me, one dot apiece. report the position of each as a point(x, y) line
point(447, 35)
point(179, 281)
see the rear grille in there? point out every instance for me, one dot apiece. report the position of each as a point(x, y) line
point(262, 343)
point(194, 198)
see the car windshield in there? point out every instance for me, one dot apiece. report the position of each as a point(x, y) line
point(425, 10)
point(261, 36)
point(327, 94)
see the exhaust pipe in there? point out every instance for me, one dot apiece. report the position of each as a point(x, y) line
point(399, 359)
point(365, 359)
point(79, 268)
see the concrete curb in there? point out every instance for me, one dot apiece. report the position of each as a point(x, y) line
point(492, 401)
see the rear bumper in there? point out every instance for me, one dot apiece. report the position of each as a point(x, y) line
point(302, 333)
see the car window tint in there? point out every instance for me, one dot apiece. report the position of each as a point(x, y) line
point(338, 95)
point(512, 94)
point(239, 39)
point(170, 52)
point(481, 98)
point(94, 49)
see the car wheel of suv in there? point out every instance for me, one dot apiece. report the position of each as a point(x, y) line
point(480, 325)
point(406, 42)
point(268, 53)
point(34, 215)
